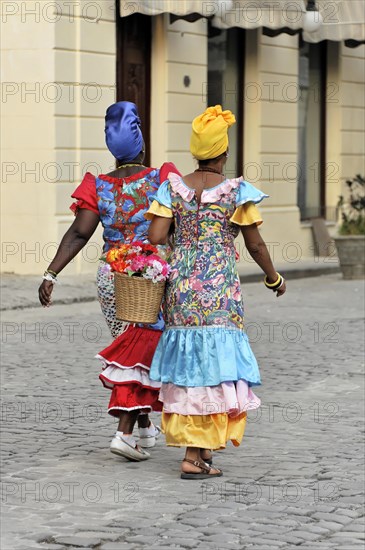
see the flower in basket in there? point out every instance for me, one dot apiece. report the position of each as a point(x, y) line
point(140, 260)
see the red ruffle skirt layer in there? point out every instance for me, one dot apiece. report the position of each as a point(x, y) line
point(127, 362)
point(132, 397)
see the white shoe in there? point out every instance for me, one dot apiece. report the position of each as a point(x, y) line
point(120, 447)
point(148, 436)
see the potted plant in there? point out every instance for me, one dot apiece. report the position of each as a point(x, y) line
point(350, 241)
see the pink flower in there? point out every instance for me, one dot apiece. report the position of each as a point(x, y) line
point(138, 263)
point(157, 269)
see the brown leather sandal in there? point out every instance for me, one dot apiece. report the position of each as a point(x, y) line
point(204, 474)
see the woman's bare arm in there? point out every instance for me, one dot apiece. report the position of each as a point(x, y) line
point(159, 230)
point(259, 252)
point(75, 238)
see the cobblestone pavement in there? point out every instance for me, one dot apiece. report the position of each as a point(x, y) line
point(296, 481)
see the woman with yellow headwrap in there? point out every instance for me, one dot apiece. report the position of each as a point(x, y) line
point(204, 359)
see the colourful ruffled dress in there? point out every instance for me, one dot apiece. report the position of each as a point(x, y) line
point(121, 204)
point(203, 359)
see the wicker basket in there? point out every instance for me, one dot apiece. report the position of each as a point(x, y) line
point(138, 300)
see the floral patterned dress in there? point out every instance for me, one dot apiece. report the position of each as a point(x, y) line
point(121, 204)
point(204, 359)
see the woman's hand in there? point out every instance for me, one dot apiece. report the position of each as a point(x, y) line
point(281, 290)
point(44, 292)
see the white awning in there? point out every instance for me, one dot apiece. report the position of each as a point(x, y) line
point(342, 19)
point(155, 7)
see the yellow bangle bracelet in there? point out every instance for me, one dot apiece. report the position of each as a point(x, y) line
point(271, 285)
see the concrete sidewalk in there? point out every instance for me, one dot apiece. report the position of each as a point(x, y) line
point(21, 291)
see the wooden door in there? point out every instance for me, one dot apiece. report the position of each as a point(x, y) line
point(134, 67)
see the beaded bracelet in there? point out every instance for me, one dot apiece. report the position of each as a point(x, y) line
point(274, 286)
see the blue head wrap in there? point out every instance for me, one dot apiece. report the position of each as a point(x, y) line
point(123, 134)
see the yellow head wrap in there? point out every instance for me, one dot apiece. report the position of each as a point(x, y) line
point(210, 133)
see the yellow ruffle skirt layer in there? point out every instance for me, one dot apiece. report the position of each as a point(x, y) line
point(207, 432)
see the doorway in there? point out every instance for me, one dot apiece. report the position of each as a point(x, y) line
point(134, 67)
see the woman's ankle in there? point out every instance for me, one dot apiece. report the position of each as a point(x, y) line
point(192, 453)
point(207, 453)
point(144, 421)
point(127, 420)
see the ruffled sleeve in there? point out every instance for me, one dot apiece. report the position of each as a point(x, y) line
point(249, 193)
point(246, 212)
point(165, 169)
point(161, 205)
point(85, 195)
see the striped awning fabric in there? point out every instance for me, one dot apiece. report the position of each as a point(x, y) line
point(155, 7)
point(342, 19)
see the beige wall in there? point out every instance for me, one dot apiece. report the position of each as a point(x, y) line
point(271, 139)
point(27, 139)
point(271, 130)
point(58, 75)
point(50, 136)
point(85, 61)
point(179, 50)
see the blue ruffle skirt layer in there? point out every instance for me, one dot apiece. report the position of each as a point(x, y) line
point(204, 356)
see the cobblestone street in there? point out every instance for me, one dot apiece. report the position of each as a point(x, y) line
point(297, 480)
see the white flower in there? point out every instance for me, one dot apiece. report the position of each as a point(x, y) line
point(154, 272)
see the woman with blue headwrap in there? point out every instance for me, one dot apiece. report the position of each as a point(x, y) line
point(119, 201)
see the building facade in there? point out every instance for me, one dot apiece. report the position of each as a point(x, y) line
point(300, 108)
